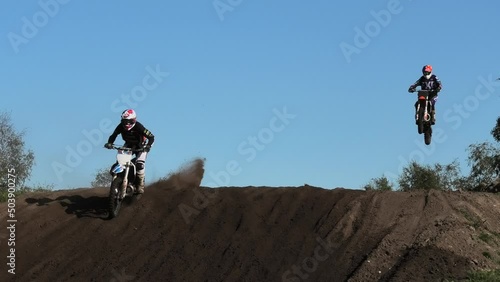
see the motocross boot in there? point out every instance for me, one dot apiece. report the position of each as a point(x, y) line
point(433, 117)
point(139, 183)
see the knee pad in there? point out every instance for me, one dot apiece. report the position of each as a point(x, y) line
point(139, 166)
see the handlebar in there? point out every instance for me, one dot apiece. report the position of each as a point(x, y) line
point(116, 147)
point(423, 91)
point(423, 94)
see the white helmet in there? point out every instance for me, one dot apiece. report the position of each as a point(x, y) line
point(128, 119)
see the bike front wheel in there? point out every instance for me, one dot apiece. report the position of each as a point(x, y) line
point(115, 202)
point(427, 134)
point(420, 121)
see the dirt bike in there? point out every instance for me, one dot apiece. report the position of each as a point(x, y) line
point(423, 115)
point(122, 184)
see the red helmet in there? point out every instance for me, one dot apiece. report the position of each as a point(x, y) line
point(128, 119)
point(427, 70)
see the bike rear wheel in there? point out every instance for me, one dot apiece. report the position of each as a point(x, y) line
point(115, 202)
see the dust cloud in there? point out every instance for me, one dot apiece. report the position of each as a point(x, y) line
point(188, 176)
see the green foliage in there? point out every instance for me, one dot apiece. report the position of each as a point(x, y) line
point(496, 130)
point(4, 194)
point(16, 162)
point(449, 176)
point(487, 255)
point(465, 183)
point(417, 176)
point(484, 160)
point(102, 178)
point(474, 220)
point(486, 237)
point(380, 183)
point(426, 177)
point(484, 276)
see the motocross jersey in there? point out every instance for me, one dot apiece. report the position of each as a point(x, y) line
point(135, 137)
point(433, 83)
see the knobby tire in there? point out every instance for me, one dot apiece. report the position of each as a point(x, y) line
point(427, 134)
point(114, 200)
point(421, 112)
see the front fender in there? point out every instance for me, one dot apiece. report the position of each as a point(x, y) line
point(117, 168)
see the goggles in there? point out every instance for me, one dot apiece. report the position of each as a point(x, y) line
point(128, 121)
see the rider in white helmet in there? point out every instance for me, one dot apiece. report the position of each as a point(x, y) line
point(136, 136)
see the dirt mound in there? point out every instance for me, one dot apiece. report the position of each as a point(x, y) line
point(252, 234)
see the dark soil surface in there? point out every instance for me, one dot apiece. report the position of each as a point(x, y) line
point(179, 231)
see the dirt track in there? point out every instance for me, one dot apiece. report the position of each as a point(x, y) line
point(180, 233)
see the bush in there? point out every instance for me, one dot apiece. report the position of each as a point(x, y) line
point(440, 177)
point(16, 162)
point(484, 160)
point(486, 276)
point(381, 184)
point(4, 194)
point(102, 178)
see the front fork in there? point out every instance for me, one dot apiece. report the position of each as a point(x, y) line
point(123, 187)
point(427, 117)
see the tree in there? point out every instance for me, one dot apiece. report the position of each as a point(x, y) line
point(484, 160)
point(496, 130)
point(449, 176)
point(380, 183)
point(15, 159)
point(417, 176)
point(496, 134)
point(440, 177)
point(102, 178)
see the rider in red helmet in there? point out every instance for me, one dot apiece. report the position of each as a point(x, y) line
point(428, 81)
point(135, 136)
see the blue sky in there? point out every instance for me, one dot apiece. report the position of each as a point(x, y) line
point(271, 93)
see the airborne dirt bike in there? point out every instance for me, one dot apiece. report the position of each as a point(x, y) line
point(122, 184)
point(423, 113)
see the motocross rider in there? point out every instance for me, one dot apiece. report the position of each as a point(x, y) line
point(135, 135)
point(428, 81)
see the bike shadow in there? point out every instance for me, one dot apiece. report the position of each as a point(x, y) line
point(93, 207)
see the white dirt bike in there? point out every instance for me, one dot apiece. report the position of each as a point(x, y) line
point(122, 184)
